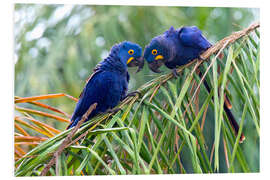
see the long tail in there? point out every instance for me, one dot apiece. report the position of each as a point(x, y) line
point(228, 112)
point(69, 126)
point(73, 123)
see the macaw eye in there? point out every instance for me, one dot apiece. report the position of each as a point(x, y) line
point(154, 52)
point(131, 51)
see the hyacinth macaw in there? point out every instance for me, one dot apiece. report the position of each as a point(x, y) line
point(176, 47)
point(108, 84)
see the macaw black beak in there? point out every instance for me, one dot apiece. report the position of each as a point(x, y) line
point(155, 65)
point(140, 64)
point(136, 62)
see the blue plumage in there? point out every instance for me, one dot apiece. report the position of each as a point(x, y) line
point(178, 47)
point(108, 84)
point(175, 47)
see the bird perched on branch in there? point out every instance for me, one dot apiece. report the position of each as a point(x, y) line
point(108, 84)
point(177, 47)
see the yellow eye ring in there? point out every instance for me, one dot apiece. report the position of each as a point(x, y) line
point(131, 51)
point(154, 52)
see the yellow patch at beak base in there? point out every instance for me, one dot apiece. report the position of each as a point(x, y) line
point(158, 57)
point(130, 59)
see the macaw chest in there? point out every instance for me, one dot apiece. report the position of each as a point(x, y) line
point(117, 85)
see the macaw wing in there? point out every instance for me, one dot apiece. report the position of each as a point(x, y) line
point(95, 71)
point(192, 37)
point(90, 94)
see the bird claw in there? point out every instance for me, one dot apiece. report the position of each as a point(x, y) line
point(114, 111)
point(132, 94)
point(200, 58)
point(175, 73)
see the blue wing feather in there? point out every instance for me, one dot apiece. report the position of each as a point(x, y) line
point(104, 88)
point(87, 97)
point(192, 37)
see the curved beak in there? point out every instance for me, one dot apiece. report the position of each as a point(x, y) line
point(140, 64)
point(136, 62)
point(155, 65)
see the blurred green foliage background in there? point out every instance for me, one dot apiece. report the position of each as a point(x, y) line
point(57, 46)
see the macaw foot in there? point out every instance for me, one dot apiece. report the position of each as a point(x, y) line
point(175, 73)
point(114, 111)
point(132, 94)
point(200, 58)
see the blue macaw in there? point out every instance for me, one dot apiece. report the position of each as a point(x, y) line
point(108, 84)
point(176, 47)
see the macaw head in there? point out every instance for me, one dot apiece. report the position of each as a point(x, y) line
point(131, 54)
point(156, 53)
point(159, 51)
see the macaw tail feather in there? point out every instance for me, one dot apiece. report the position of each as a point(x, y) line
point(73, 123)
point(228, 112)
